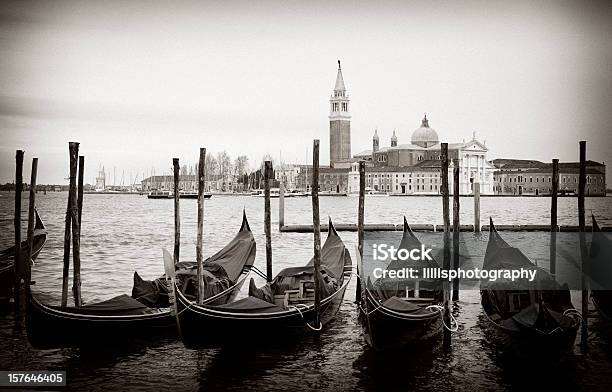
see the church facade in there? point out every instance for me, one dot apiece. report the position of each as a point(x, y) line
point(415, 167)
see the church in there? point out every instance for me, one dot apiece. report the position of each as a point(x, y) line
point(401, 169)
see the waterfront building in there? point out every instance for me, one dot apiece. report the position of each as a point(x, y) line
point(529, 177)
point(424, 151)
point(188, 182)
point(421, 179)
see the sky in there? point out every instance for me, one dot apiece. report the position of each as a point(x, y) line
point(140, 82)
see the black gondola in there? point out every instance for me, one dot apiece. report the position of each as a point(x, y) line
point(526, 316)
point(601, 268)
point(397, 312)
point(123, 316)
point(7, 256)
point(282, 308)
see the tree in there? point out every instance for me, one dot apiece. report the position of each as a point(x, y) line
point(211, 167)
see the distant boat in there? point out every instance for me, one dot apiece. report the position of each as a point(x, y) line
point(193, 195)
point(160, 195)
point(274, 193)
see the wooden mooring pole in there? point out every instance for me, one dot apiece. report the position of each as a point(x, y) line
point(583, 250)
point(177, 212)
point(456, 227)
point(267, 221)
point(360, 226)
point(31, 224)
point(281, 205)
point(476, 207)
point(18, 262)
point(317, 232)
point(553, 217)
point(75, 212)
point(446, 265)
point(199, 259)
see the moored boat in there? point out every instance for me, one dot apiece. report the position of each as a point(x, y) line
point(282, 308)
point(398, 312)
point(160, 195)
point(123, 316)
point(193, 195)
point(601, 272)
point(526, 316)
point(7, 256)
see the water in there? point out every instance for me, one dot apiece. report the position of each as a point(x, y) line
point(124, 233)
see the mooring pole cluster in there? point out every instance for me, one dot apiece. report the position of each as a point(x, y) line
point(72, 227)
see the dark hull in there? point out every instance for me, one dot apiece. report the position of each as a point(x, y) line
point(48, 327)
point(159, 197)
point(204, 326)
point(206, 196)
point(603, 302)
point(386, 329)
point(532, 341)
point(7, 256)
point(51, 327)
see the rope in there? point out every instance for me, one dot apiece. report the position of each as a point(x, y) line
point(572, 311)
point(371, 311)
point(297, 307)
point(440, 308)
point(259, 272)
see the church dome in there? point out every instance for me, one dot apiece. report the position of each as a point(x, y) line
point(425, 136)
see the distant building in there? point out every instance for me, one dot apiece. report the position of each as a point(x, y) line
point(332, 180)
point(339, 124)
point(529, 177)
point(101, 180)
point(421, 179)
point(424, 150)
point(188, 182)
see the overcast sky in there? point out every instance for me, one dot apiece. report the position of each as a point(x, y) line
point(138, 83)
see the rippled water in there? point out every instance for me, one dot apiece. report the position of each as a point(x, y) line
point(123, 233)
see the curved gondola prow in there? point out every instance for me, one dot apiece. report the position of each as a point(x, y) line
point(408, 230)
point(39, 223)
point(245, 222)
point(331, 230)
point(596, 227)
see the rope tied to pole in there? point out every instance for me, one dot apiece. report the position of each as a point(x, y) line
point(440, 309)
point(297, 308)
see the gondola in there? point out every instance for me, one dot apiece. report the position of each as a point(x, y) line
point(123, 316)
point(283, 308)
point(526, 316)
point(601, 269)
point(398, 312)
point(7, 256)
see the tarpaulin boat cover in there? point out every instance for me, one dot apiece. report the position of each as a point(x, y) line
point(334, 256)
point(122, 305)
point(249, 304)
point(221, 271)
point(387, 288)
point(400, 305)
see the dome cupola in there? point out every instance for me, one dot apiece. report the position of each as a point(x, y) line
point(425, 136)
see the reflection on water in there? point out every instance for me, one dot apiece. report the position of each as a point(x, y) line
point(123, 233)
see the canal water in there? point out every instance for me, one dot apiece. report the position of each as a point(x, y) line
point(126, 233)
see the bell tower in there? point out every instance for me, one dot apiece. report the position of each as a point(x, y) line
point(339, 122)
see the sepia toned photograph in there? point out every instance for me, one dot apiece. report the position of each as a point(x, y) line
point(305, 195)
